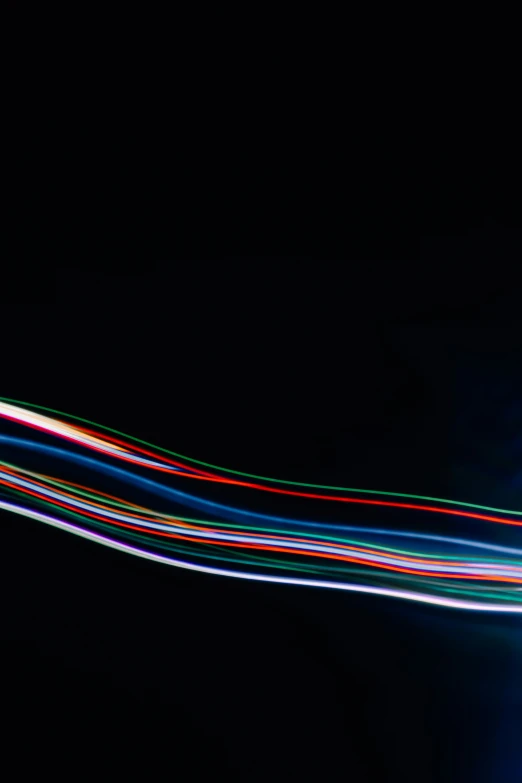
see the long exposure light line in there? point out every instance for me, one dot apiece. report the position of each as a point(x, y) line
point(264, 478)
point(446, 573)
point(372, 590)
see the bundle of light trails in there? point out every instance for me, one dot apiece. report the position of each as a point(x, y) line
point(188, 514)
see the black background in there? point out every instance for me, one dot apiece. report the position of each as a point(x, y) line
point(297, 333)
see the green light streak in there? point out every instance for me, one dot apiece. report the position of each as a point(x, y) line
point(254, 476)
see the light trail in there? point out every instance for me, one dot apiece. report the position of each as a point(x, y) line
point(489, 572)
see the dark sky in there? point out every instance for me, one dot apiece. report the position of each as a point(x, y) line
point(320, 346)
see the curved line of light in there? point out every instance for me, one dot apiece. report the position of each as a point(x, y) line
point(452, 603)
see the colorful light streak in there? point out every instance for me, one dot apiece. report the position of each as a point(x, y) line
point(450, 573)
